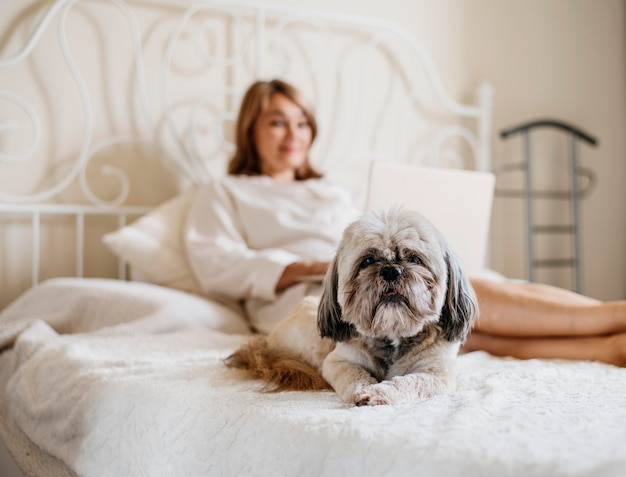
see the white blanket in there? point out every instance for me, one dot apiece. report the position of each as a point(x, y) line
point(128, 396)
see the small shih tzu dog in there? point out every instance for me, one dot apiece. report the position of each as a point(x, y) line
point(394, 310)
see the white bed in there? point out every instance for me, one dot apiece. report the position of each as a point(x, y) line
point(103, 376)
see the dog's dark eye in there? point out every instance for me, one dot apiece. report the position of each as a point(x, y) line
point(415, 259)
point(366, 262)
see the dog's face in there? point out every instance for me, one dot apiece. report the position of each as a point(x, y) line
point(392, 275)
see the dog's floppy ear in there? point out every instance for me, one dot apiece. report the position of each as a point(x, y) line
point(460, 308)
point(329, 321)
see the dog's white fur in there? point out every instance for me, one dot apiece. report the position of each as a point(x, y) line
point(395, 308)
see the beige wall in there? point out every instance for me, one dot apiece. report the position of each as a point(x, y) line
point(564, 59)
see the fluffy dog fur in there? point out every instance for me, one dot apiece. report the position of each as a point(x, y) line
point(394, 310)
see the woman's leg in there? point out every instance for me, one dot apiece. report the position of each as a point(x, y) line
point(609, 349)
point(513, 309)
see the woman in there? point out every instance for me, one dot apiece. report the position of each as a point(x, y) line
point(273, 223)
point(264, 232)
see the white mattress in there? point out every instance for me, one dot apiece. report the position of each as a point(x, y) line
point(139, 398)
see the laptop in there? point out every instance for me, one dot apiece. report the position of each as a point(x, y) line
point(458, 202)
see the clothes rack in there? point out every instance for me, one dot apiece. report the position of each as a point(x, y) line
point(531, 194)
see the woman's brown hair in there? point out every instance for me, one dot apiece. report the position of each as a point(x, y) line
point(246, 160)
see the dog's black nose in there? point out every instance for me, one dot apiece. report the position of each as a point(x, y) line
point(390, 273)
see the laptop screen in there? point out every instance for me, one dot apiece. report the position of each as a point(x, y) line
point(458, 202)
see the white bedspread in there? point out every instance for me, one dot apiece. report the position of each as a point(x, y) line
point(142, 398)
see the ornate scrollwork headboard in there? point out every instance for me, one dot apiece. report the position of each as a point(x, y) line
point(111, 107)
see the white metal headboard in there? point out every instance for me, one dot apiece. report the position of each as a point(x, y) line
point(110, 107)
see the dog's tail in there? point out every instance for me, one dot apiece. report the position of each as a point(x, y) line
point(280, 371)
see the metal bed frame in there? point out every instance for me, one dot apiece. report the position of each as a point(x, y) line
point(236, 42)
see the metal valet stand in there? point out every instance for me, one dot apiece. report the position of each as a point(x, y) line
point(574, 195)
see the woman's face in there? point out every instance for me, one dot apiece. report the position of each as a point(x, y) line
point(282, 136)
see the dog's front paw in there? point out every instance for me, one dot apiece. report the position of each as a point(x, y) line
point(376, 394)
point(403, 389)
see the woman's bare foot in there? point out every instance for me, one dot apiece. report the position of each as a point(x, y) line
point(616, 349)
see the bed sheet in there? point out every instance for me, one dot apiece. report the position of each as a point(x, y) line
point(134, 397)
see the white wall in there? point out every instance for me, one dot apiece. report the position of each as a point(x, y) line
point(561, 59)
point(564, 59)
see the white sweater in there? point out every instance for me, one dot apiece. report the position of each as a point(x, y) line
point(242, 231)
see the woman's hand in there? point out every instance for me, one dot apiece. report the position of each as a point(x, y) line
point(295, 271)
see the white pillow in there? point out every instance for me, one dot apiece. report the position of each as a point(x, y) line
point(152, 245)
